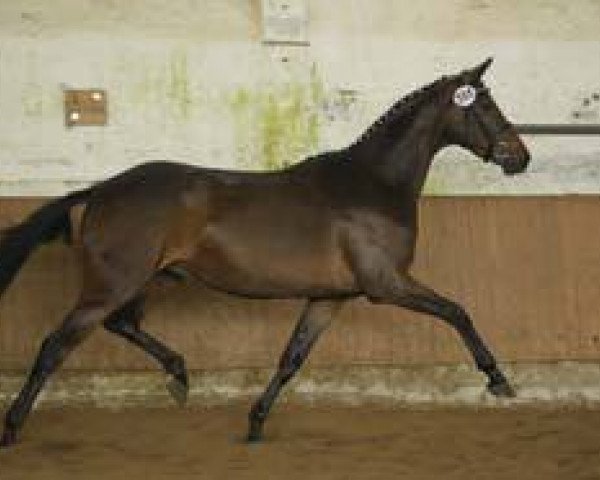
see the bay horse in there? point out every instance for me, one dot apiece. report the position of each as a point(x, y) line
point(333, 227)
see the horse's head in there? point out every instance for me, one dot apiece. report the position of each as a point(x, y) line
point(475, 122)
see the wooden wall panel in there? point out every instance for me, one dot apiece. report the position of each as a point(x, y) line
point(527, 268)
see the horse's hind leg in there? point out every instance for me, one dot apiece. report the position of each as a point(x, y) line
point(316, 317)
point(125, 322)
point(55, 348)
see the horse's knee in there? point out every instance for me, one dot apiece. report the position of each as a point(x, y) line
point(50, 353)
point(291, 362)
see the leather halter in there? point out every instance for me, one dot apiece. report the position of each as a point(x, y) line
point(491, 131)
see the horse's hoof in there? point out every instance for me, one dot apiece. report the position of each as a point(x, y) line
point(255, 430)
point(9, 437)
point(178, 390)
point(254, 437)
point(501, 389)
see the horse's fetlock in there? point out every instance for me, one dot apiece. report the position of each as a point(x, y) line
point(176, 365)
point(258, 412)
point(493, 373)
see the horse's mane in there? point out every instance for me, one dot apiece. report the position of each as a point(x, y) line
point(402, 111)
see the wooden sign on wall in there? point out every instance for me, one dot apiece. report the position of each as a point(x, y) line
point(85, 107)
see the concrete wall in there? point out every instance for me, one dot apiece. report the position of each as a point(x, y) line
point(193, 81)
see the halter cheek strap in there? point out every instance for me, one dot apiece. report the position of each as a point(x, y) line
point(491, 131)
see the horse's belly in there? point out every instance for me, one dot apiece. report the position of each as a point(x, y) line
point(272, 264)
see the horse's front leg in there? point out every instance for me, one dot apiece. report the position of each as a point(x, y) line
point(388, 286)
point(316, 316)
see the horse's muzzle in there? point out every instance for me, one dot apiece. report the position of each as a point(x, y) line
point(512, 158)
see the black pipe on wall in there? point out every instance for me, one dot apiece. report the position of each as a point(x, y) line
point(557, 129)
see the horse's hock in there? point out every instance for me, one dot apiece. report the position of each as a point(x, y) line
point(371, 353)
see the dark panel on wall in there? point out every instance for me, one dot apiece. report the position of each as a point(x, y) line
point(528, 270)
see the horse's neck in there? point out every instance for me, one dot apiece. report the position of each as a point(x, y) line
point(402, 159)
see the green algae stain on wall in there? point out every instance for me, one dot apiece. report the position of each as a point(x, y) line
point(284, 122)
point(278, 126)
point(164, 85)
point(179, 85)
point(149, 87)
point(317, 97)
point(240, 104)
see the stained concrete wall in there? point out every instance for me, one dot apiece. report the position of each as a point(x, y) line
point(192, 81)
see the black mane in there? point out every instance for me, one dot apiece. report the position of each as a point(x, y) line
point(401, 112)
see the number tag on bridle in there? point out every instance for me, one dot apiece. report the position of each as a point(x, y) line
point(465, 96)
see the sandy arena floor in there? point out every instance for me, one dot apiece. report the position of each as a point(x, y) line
point(362, 443)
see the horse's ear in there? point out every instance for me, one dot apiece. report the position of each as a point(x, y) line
point(479, 70)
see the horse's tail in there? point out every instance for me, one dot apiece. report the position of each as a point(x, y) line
point(43, 225)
